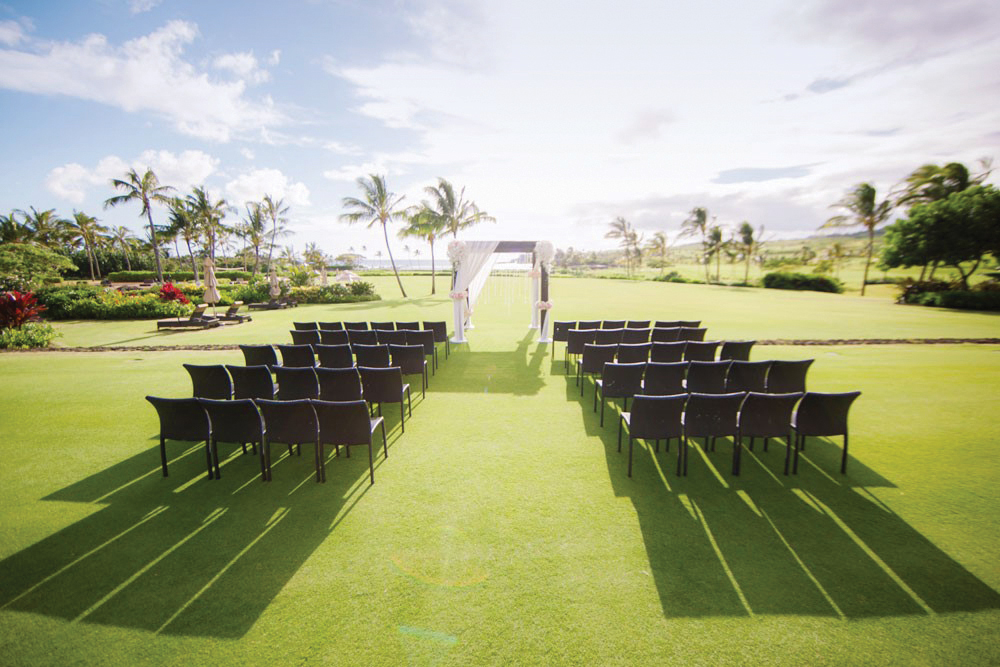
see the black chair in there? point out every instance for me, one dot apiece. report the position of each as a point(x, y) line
point(575, 340)
point(613, 324)
point(297, 356)
point(260, 355)
point(560, 329)
point(822, 415)
point(691, 333)
point(210, 381)
point(629, 353)
point(335, 356)
point(589, 324)
point(373, 356)
point(637, 324)
point(344, 424)
point(667, 324)
point(182, 419)
point(768, 416)
point(690, 324)
point(609, 336)
point(355, 326)
point(252, 382)
point(592, 361)
point(440, 330)
point(618, 381)
point(635, 335)
point(665, 335)
point(410, 360)
point(305, 326)
point(668, 352)
point(425, 339)
point(737, 350)
point(407, 326)
point(303, 337)
point(330, 326)
point(697, 350)
point(788, 377)
point(654, 418)
point(707, 377)
point(712, 416)
point(384, 326)
point(747, 376)
point(288, 423)
point(333, 337)
point(236, 421)
point(362, 337)
point(664, 379)
point(385, 385)
point(390, 337)
point(339, 384)
point(296, 383)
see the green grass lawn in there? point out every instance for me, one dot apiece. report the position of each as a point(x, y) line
point(502, 529)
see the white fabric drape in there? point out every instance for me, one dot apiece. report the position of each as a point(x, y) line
point(536, 291)
point(477, 255)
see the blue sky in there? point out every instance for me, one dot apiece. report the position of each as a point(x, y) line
point(556, 116)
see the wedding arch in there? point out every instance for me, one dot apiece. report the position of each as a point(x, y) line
point(472, 262)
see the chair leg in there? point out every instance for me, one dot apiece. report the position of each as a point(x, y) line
point(402, 416)
point(215, 458)
point(630, 441)
point(320, 464)
point(208, 455)
point(163, 455)
point(409, 403)
point(263, 468)
point(737, 447)
point(798, 446)
point(385, 443)
point(682, 456)
point(788, 452)
point(843, 458)
point(620, 421)
point(371, 461)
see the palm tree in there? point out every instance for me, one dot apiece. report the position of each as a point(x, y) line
point(659, 245)
point(146, 190)
point(377, 205)
point(423, 222)
point(748, 244)
point(254, 230)
point(931, 183)
point(184, 224)
point(628, 239)
point(697, 223)
point(275, 212)
point(836, 253)
point(13, 230)
point(313, 256)
point(714, 245)
point(123, 237)
point(456, 211)
point(47, 228)
point(85, 228)
point(865, 211)
point(208, 216)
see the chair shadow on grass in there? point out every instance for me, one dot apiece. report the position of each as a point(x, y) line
point(818, 543)
point(184, 555)
point(517, 372)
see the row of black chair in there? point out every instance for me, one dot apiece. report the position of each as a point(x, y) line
point(793, 416)
point(316, 337)
point(263, 422)
point(559, 327)
point(576, 339)
point(439, 328)
point(593, 355)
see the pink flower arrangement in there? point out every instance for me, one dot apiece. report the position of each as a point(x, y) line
point(544, 305)
point(458, 296)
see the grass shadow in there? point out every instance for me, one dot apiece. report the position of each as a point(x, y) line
point(517, 372)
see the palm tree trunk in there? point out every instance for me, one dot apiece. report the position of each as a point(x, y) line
point(194, 265)
point(156, 244)
point(868, 258)
point(128, 262)
point(90, 257)
point(746, 274)
point(256, 259)
point(385, 232)
point(433, 271)
point(706, 258)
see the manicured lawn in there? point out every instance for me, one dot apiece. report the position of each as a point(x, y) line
point(502, 529)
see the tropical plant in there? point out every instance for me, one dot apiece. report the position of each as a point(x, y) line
point(457, 213)
point(184, 224)
point(931, 182)
point(254, 230)
point(748, 243)
point(146, 190)
point(659, 245)
point(17, 308)
point(47, 228)
point(864, 210)
point(423, 222)
point(714, 245)
point(26, 266)
point(628, 240)
point(208, 217)
point(697, 223)
point(13, 230)
point(86, 229)
point(170, 293)
point(123, 237)
point(274, 211)
point(376, 205)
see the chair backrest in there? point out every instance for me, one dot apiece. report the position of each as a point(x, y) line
point(305, 336)
point(409, 358)
point(691, 324)
point(698, 350)
point(657, 417)
point(767, 415)
point(305, 326)
point(823, 413)
point(664, 379)
point(737, 350)
point(613, 324)
point(355, 326)
point(560, 329)
point(331, 326)
point(234, 421)
point(373, 356)
point(407, 326)
point(251, 381)
point(632, 352)
point(259, 355)
point(390, 337)
point(362, 337)
point(637, 324)
point(609, 336)
point(382, 385)
point(339, 384)
point(595, 356)
point(665, 334)
point(297, 356)
point(620, 380)
point(691, 333)
point(333, 337)
point(210, 381)
point(343, 422)
point(421, 337)
point(198, 311)
point(589, 324)
point(707, 377)
point(233, 308)
point(788, 377)
point(296, 383)
point(635, 335)
point(667, 324)
point(577, 338)
point(289, 422)
point(384, 326)
point(668, 352)
point(712, 414)
point(182, 419)
point(335, 356)
point(747, 376)
point(440, 330)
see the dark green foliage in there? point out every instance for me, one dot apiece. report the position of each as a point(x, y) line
point(336, 293)
point(18, 308)
point(941, 294)
point(92, 303)
point(176, 276)
point(802, 281)
point(672, 277)
point(60, 300)
point(27, 267)
point(31, 335)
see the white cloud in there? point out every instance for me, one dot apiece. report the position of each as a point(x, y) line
point(73, 182)
point(253, 185)
point(144, 74)
point(11, 33)
point(140, 6)
point(243, 65)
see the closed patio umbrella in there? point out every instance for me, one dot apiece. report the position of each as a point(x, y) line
point(275, 288)
point(212, 295)
point(323, 280)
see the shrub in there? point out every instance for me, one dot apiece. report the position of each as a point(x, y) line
point(18, 308)
point(961, 300)
point(30, 335)
point(300, 277)
point(170, 293)
point(27, 267)
point(910, 291)
point(336, 293)
point(94, 303)
point(174, 276)
point(672, 277)
point(802, 281)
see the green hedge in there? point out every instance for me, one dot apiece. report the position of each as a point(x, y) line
point(173, 276)
point(801, 281)
point(29, 335)
point(336, 293)
point(94, 303)
point(959, 299)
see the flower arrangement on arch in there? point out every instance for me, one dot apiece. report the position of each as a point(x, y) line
point(170, 293)
point(543, 305)
point(458, 296)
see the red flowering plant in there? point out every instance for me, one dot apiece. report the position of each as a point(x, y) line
point(16, 308)
point(170, 293)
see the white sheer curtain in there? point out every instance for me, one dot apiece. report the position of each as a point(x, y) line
point(477, 256)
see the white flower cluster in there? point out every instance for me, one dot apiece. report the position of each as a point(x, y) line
point(545, 253)
point(456, 252)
